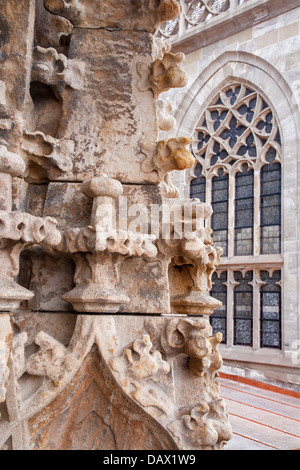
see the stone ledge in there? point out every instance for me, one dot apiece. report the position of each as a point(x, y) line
point(230, 23)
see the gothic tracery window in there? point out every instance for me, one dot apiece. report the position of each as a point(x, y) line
point(238, 150)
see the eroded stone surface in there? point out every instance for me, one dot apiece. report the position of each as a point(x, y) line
point(105, 119)
point(148, 362)
point(84, 363)
point(124, 14)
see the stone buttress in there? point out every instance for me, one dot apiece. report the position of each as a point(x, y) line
point(105, 340)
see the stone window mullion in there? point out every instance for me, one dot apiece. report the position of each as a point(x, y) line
point(256, 284)
point(208, 196)
point(256, 218)
point(231, 284)
point(231, 215)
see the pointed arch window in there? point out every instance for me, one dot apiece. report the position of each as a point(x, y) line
point(237, 146)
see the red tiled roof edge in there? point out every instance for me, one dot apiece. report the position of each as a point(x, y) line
point(256, 383)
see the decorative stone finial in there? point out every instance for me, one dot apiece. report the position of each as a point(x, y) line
point(102, 190)
point(11, 164)
point(102, 186)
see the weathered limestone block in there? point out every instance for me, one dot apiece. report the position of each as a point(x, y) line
point(11, 164)
point(124, 14)
point(51, 30)
point(108, 113)
point(140, 375)
point(52, 68)
point(49, 278)
point(143, 280)
point(68, 205)
point(92, 414)
point(19, 189)
point(59, 326)
point(146, 284)
point(16, 41)
point(18, 230)
point(6, 336)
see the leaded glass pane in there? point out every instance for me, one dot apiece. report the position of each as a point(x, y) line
point(198, 185)
point(244, 212)
point(243, 309)
point(219, 326)
point(270, 335)
point(220, 211)
point(270, 310)
point(243, 332)
point(219, 291)
point(271, 208)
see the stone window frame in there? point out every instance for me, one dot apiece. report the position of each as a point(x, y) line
point(235, 96)
point(256, 283)
point(239, 65)
point(232, 163)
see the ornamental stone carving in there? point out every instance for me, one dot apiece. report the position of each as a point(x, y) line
point(167, 155)
point(243, 131)
point(5, 350)
point(96, 247)
point(145, 15)
point(17, 231)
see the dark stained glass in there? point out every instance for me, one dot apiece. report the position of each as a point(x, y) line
point(233, 94)
point(198, 185)
point(270, 314)
point(243, 309)
point(266, 125)
point(218, 118)
point(203, 138)
point(220, 211)
point(219, 152)
point(235, 130)
point(249, 148)
point(248, 111)
point(244, 208)
point(270, 209)
point(218, 320)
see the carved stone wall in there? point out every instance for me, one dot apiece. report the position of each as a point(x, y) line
point(97, 346)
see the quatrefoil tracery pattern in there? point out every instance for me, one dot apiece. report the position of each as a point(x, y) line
point(238, 127)
point(195, 12)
